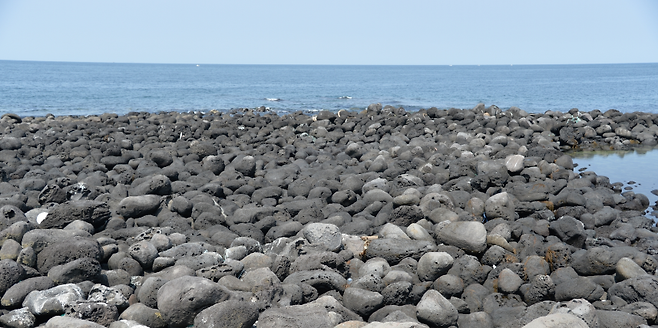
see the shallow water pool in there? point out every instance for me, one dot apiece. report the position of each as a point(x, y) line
point(636, 169)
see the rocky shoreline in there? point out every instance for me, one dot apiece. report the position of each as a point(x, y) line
point(383, 218)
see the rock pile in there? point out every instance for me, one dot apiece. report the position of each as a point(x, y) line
point(438, 218)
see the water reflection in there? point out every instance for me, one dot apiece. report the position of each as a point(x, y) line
point(635, 169)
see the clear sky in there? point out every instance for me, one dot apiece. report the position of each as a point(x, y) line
point(423, 32)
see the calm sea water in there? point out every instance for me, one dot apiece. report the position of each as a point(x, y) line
point(38, 88)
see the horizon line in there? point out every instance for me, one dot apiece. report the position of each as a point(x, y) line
point(251, 64)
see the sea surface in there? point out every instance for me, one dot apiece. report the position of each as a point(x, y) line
point(62, 88)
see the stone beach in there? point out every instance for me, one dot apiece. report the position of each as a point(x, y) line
point(380, 218)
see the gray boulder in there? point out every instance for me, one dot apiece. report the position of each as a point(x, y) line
point(20, 318)
point(138, 206)
point(15, 295)
point(362, 302)
point(148, 292)
point(144, 315)
point(68, 250)
point(500, 206)
point(10, 273)
point(39, 239)
point(580, 308)
point(101, 313)
point(475, 320)
point(326, 234)
point(433, 264)
point(617, 319)
point(53, 301)
point(394, 250)
point(319, 279)
point(436, 310)
point(296, 316)
point(181, 299)
point(578, 288)
point(76, 271)
point(470, 236)
point(94, 212)
point(228, 314)
point(638, 289)
point(70, 322)
point(556, 320)
point(143, 252)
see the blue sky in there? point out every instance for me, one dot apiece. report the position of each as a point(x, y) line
point(470, 32)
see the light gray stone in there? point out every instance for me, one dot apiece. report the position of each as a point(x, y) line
point(433, 264)
point(323, 233)
point(471, 236)
point(557, 320)
point(436, 310)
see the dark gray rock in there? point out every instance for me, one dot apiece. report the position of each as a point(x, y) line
point(67, 250)
point(616, 319)
point(161, 157)
point(83, 269)
point(96, 213)
point(569, 230)
point(362, 302)
point(15, 295)
point(540, 288)
point(642, 289)
point(322, 280)
point(296, 316)
point(158, 185)
point(394, 250)
point(397, 293)
point(228, 314)
point(143, 252)
point(10, 274)
point(475, 320)
point(144, 315)
point(137, 206)
point(581, 287)
point(100, 313)
point(181, 299)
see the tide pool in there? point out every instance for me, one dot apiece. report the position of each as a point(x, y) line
point(636, 169)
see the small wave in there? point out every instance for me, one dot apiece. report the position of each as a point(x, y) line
point(273, 99)
point(345, 97)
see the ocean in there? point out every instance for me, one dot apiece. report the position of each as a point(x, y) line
point(61, 88)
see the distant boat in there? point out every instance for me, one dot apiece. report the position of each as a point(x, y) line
point(197, 65)
point(344, 97)
point(273, 99)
